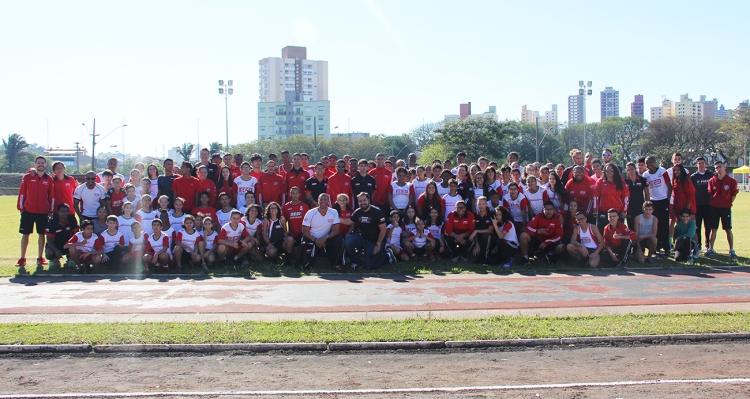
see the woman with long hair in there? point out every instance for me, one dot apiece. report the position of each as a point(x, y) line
point(556, 192)
point(480, 189)
point(274, 231)
point(153, 175)
point(490, 178)
point(225, 184)
point(612, 193)
point(344, 208)
point(428, 200)
point(507, 244)
point(683, 194)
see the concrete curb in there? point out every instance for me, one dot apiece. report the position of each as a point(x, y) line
point(364, 346)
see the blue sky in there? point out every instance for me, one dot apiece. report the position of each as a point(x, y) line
point(392, 64)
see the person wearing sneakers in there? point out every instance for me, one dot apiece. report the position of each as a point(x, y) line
point(586, 242)
point(367, 235)
point(459, 226)
point(722, 189)
point(684, 236)
point(35, 204)
point(59, 229)
point(618, 238)
point(86, 248)
point(543, 233)
point(320, 234)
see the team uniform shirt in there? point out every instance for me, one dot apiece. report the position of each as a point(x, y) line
point(367, 223)
point(58, 234)
point(420, 241)
point(621, 229)
point(401, 194)
point(156, 244)
point(253, 227)
point(271, 188)
point(637, 198)
point(229, 234)
point(362, 184)
point(587, 239)
point(208, 211)
point(553, 226)
point(212, 170)
point(146, 218)
point(63, 191)
point(340, 183)
point(700, 182)
point(136, 201)
point(383, 179)
point(344, 214)
point(319, 224)
point(394, 241)
point(235, 171)
point(435, 231)
point(450, 203)
point(256, 174)
point(111, 240)
point(242, 186)
point(223, 217)
point(224, 187)
point(294, 214)
point(207, 186)
point(505, 188)
point(93, 243)
point(483, 222)
point(116, 200)
point(458, 225)
point(315, 187)
point(682, 193)
point(722, 191)
point(443, 190)
point(136, 244)
point(465, 188)
point(581, 191)
point(124, 226)
point(89, 198)
point(511, 237)
point(35, 194)
point(419, 186)
point(608, 196)
point(154, 189)
point(422, 201)
point(191, 240)
point(175, 222)
point(210, 239)
point(100, 177)
point(296, 178)
point(536, 200)
point(164, 183)
point(658, 184)
point(186, 188)
point(494, 185)
point(516, 206)
point(556, 199)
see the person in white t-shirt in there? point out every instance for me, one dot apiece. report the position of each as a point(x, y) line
point(88, 197)
point(186, 243)
point(320, 235)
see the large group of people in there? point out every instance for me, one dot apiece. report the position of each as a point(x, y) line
point(367, 213)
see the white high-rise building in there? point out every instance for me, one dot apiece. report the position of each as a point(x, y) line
point(665, 111)
point(528, 115)
point(576, 113)
point(550, 116)
point(610, 103)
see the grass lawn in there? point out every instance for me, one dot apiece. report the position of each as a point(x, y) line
point(505, 327)
point(9, 252)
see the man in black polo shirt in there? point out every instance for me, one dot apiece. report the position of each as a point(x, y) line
point(164, 182)
point(367, 235)
point(316, 185)
point(363, 182)
point(212, 168)
point(59, 229)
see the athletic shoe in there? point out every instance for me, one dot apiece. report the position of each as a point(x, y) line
point(710, 251)
point(550, 257)
point(205, 268)
point(41, 261)
point(732, 254)
point(698, 249)
point(508, 264)
point(523, 261)
point(465, 258)
point(340, 268)
point(391, 256)
point(21, 262)
point(454, 259)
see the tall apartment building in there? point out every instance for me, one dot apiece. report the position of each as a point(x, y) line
point(636, 107)
point(665, 111)
point(531, 116)
point(610, 103)
point(576, 112)
point(528, 115)
point(550, 116)
point(702, 109)
point(293, 95)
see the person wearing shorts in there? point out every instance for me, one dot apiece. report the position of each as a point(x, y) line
point(59, 229)
point(722, 189)
point(35, 203)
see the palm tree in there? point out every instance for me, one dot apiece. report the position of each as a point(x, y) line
point(215, 147)
point(14, 148)
point(186, 150)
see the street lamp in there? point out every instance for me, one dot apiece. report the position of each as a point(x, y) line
point(583, 91)
point(226, 90)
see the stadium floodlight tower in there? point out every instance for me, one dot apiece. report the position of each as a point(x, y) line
point(226, 90)
point(583, 91)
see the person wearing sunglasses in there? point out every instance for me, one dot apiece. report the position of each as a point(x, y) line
point(87, 198)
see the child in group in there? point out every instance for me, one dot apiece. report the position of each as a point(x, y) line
point(408, 222)
point(435, 226)
point(253, 223)
point(135, 178)
point(618, 238)
point(419, 242)
point(207, 246)
point(646, 227)
point(186, 242)
point(393, 237)
point(177, 215)
point(274, 231)
point(126, 220)
point(232, 239)
point(146, 215)
point(114, 244)
point(85, 247)
point(136, 242)
point(156, 252)
point(147, 188)
point(508, 244)
point(224, 213)
point(249, 200)
point(684, 236)
point(205, 208)
point(115, 197)
point(132, 195)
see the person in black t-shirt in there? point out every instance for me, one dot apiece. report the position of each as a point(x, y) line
point(367, 235)
point(316, 185)
point(362, 182)
point(164, 182)
point(483, 236)
point(59, 229)
point(638, 186)
point(702, 200)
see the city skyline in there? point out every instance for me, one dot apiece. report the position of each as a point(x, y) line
point(392, 65)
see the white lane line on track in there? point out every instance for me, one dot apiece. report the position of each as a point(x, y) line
point(378, 391)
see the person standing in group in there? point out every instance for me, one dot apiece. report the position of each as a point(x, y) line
point(296, 175)
point(638, 188)
point(186, 187)
point(363, 182)
point(340, 183)
point(702, 202)
point(88, 197)
point(401, 192)
point(271, 186)
point(206, 185)
point(63, 186)
point(211, 168)
point(611, 191)
point(164, 182)
point(722, 189)
point(242, 184)
point(112, 167)
point(660, 189)
point(581, 188)
point(316, 185)
point(383, 178)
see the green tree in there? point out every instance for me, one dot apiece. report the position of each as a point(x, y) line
point(476, 136)
point(186, 151)
point(424, 134)
point(435, 151)
point(14, 148)
point(738, 127)
point(689, 136)
point(215, 147)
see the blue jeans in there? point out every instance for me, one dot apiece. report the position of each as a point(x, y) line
point(355, 244)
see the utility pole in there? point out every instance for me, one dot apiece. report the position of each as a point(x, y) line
point(93, 147)
point(78, 151)
point(537, 139)
point(315, 138)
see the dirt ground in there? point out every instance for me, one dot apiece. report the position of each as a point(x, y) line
point(401, 369)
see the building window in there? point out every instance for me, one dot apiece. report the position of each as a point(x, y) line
point(320, 118)
point(308, 127)
point(320, 127)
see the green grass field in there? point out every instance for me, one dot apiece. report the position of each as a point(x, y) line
point(10, 251)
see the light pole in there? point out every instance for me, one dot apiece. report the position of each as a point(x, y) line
point(226, 90)
point(123, 142)
point(583, 91)
point(93, 142)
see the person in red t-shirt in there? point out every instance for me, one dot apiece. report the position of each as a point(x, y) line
point(459, 226)
point(206, 185)
point(581, 189)
point(383, 179)
point(340, 183)
point(35, 204)
point(115, 197)
point(294, 212)
point(204, 208)
point(186, 186)
point(722, 189)
point(296, 175)
point(618, 238)
point(271, 186)
point(63, 185)
point(543, 233)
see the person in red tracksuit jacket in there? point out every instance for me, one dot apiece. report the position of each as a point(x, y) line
point(340, 183)
point(35, 203)
point(580, 188)
point(459, 226)
point(611, 192)
point(544, 233)
point(617, 237)
point(383, 179)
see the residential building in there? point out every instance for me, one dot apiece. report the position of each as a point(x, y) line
point(666, 110)
point(722, 113)
point(528, 115)
point(550, 116)
point(610, 103)
point(352, 135)
point(743, 105)
point(701, 109)
point(281, 120)
point(465, 112)
point(292, 72)
point(636, 107)
point(576, 111)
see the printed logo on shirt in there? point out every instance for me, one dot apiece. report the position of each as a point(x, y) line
point(364, 219)
point(726, 187)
